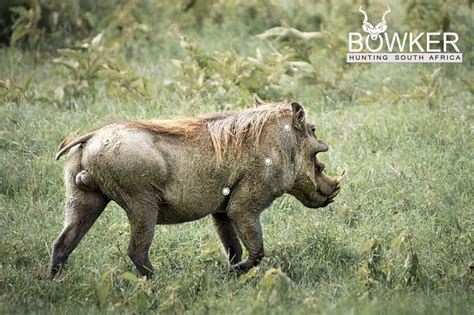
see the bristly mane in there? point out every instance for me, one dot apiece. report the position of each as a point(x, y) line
point(226, 130)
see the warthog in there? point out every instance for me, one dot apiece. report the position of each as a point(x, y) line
point(230, 165)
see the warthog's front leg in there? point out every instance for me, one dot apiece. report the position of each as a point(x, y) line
point(142, 223)
point(249, 231)
point(228, 237)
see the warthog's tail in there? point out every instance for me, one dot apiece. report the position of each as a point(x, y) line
point(64, 147)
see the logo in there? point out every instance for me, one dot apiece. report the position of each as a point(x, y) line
point(377, 46)
point(378, 29)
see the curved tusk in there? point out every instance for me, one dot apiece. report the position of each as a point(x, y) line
point(341, 179)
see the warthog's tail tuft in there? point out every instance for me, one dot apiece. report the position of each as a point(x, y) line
point(64, 146)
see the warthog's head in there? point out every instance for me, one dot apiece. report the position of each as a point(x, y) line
point(312, 187)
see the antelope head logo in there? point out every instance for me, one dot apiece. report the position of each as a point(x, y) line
point(374, 31)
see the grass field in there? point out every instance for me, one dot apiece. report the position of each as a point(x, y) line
point(397, 240)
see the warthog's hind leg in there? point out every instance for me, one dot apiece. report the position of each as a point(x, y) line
point(228, 237)
point(82, 210)
point(142, 223)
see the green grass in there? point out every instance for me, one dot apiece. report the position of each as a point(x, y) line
point(409, 191)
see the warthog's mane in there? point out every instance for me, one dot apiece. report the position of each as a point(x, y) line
point(226, 130)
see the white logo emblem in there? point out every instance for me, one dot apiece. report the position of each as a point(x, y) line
point(374, 31)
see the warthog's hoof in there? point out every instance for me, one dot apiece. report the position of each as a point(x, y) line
point(240, 268)
point(53, 271)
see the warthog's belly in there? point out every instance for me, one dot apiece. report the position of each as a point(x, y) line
point(171, 215)
point(189, 199)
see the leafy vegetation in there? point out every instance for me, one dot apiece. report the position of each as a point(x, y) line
point(398, 239)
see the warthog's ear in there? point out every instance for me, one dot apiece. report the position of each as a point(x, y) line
point(257, 101)
point(299, 116)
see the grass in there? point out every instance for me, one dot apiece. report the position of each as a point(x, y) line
point(409, 193)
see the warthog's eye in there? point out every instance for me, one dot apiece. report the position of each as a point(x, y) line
point(313, 130)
